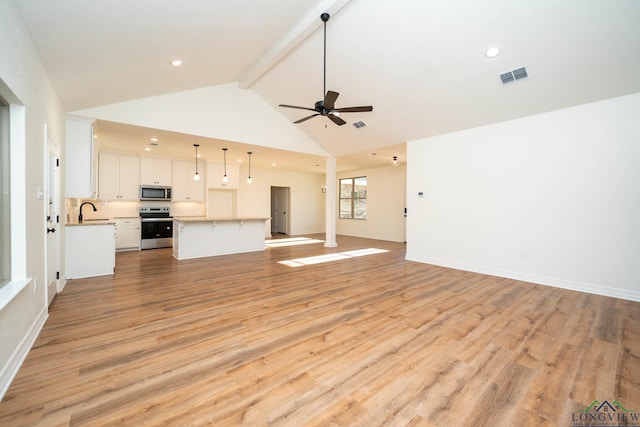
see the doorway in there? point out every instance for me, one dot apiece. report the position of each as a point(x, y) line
point(279, 209)
point(52, 215)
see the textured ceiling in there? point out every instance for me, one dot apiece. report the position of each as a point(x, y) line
point(421, 64)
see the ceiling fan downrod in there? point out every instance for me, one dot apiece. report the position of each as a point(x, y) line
point(325, 17)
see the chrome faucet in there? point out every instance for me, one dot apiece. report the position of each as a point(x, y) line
point(86, 203)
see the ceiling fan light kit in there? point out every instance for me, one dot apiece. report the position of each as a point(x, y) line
point(326, 107)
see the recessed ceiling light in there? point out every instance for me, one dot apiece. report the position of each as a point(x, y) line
point(176, 62)
point(273, 164)
point(147, 149)
point(492, 52)
point(154, 139)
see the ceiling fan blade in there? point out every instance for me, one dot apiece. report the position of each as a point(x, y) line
point(335, 119)
point(306, 118)
point(354, 109)
point(330, 99)
point(295, 106)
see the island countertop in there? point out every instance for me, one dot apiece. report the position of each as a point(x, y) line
point(214, 219)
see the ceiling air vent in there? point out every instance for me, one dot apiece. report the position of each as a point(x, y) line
point(359, 124)
point(512, 76)
point(520, 73)
point(506, 77)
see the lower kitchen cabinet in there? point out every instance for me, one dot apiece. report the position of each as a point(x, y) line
point(127, 234)
point(90, 250)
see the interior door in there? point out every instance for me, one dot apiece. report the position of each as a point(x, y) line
point(53, 218)
point(279, 209)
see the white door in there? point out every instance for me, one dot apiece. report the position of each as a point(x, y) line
point(53, 218)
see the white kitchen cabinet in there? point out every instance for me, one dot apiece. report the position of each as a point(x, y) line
point(215, 173)
point(185, 188)
point(127, 234)
point(80, 161)
point(155, 171)
point(90, 250)
point(118, 177)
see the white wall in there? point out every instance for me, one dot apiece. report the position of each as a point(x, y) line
point(25, 84)
point(306, 213)
point(551, 199)
point(385, 205)
point(223, 112)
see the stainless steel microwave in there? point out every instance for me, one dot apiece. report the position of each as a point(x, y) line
point(155, 192)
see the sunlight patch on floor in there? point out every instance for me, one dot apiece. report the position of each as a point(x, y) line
point(292, 241)
point(299, 262)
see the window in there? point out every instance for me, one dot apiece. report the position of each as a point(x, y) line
point(353, 198)
point(5, 241)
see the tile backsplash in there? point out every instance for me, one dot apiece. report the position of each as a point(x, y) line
point(117, 209)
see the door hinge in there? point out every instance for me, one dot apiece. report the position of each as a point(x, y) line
point(57, 219)
point(57, 275)
point(57, 163)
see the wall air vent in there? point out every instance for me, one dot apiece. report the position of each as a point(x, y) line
point(359, 124)
point(512, 76)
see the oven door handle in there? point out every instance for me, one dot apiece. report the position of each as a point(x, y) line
point(156, 219)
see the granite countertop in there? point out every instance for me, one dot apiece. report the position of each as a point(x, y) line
point(210, 219)
point(100, 221)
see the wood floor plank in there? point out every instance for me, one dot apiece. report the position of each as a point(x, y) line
point(369, 341)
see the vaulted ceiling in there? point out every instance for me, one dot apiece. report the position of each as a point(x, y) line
point(421, 64)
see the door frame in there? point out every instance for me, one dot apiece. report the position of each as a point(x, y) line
point(52, 215)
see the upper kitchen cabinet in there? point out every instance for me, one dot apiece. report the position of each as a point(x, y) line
point(155, 171)
point(185, 188)
point(215, 175)
point(118, 176)
point(80, 158)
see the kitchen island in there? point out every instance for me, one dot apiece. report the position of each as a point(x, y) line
point(197, 237)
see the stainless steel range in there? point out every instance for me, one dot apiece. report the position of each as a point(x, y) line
point(157, 227)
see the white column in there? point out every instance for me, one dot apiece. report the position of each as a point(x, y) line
point(330, 203)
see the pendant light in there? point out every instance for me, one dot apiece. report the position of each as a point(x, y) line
point(196, 177)
point(249, 181)
point(225, 178)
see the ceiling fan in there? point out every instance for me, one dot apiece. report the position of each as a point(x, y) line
point(326, 106)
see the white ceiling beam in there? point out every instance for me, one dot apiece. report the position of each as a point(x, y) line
point(290, 41)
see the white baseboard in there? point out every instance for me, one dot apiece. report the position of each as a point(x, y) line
point(590, 288)
point(17, 358)
point(61, 284)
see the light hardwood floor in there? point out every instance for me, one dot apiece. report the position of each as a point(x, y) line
point(371, 340)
